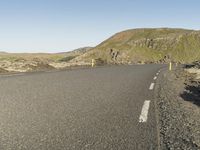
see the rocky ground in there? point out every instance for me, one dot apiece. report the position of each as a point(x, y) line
point(28, 62)
point(178, 103)
point(22, 65)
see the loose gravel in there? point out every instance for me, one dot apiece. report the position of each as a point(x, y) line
point(179, 112)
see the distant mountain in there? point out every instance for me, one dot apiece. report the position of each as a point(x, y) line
point(147, 45)
point(2, 52)
point(81, 50)
point(67, 56)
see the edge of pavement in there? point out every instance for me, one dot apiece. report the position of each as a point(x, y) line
point(155, 96)
point(176, 124)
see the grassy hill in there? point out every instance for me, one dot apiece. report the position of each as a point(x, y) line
point(158, 45)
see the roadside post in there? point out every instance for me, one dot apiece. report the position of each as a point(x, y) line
point(170, 66)
point(92, 62)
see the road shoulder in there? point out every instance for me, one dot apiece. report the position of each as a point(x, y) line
point(178, 119)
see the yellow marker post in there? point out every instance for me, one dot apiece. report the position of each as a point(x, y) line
point(92, 62)
point(170, 66)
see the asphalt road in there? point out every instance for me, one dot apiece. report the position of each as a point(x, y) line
point(90, 109)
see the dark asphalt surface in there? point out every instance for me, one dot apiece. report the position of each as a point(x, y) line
point(89, 109)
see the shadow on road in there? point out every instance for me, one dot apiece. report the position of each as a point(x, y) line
point(192, 94)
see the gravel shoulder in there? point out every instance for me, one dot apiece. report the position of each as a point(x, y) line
point(178, 97)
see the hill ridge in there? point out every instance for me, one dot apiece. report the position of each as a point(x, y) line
point(147, 45)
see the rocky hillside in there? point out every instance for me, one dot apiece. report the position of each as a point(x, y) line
point(147, 45)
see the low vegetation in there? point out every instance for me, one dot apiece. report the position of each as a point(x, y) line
point(140, 46)
point(24, 62)
point(66, 59)
point(148, 45)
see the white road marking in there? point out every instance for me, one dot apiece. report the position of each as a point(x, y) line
point(155, 78)
point(151, 86)
point(144, 113)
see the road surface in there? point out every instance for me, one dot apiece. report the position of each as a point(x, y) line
point(95, 108)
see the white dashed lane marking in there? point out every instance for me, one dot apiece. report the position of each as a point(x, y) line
point(144, 113)
point(151, 86)
point(145, 109)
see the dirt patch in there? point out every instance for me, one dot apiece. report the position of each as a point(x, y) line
point(179, 111)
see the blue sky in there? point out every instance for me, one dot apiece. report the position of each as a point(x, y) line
point(62, 25)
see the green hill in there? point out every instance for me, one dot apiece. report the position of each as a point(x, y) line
point(158, 45)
